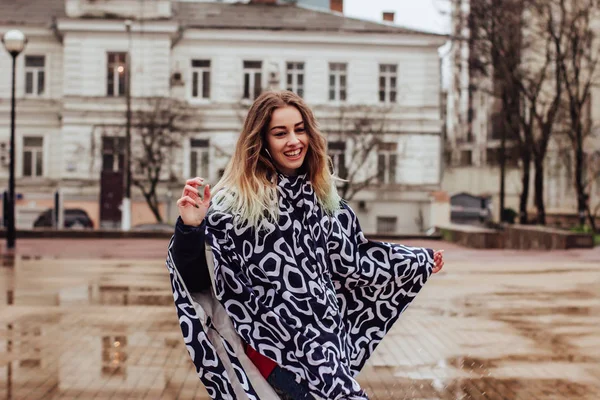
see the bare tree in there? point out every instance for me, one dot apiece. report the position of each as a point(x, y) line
point(359, 132)
point(494, 43)
point(515, 49)
point(578, 51)
point(159, 127)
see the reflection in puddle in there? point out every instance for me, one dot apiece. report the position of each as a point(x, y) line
point(483, 388)
point(8, 259)
point(121, 295)
point(114, 355)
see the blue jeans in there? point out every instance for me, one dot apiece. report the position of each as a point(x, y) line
point(285, 385)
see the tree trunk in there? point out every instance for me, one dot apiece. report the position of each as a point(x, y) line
point(155, 207)
point(579, 185)
point(525, 179)
point(539, 191)
point(153, 204)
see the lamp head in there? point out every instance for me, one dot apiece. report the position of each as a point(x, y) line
point(14, 41)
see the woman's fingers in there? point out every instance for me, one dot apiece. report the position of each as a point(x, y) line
point(193, 184)
point(191, 191)
point(187, 200)
point(195, 181)
point(207, 194)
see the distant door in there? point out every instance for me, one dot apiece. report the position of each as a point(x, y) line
point(111, 181)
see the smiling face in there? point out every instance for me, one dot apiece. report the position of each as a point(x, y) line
point(287, 140)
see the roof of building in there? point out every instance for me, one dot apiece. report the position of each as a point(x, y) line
point(31, 12)
point(283, 17)
point(203, 15)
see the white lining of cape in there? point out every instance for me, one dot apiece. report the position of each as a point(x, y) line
point(206, 304)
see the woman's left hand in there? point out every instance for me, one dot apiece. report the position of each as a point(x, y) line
point(438, 261)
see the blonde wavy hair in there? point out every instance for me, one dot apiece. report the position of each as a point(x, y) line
point(248, 188)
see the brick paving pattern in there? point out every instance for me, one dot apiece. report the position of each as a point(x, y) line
point(86, 319)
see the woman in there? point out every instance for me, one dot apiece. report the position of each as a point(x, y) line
point(300, 298)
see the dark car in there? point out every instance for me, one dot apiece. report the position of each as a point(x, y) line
point(75, 218)
point(469, 209)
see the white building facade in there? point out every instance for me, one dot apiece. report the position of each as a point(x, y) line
point(71, 102)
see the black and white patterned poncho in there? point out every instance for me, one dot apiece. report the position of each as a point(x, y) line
point(311, 293)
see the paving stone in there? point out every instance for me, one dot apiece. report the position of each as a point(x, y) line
point(85, 319)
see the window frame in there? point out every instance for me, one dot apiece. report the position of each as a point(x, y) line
point(389, 152)
point(36, 72)
point(203, 81)
point(336, 149)
point(112, 67)
point(293, 71)
point(388, 221)
point(388, 73)
point(36, 159)
point(338, 92)
point(201, 148)
point(116, 150)
point(255, 75)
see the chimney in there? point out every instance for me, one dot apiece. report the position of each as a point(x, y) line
point(336, 5)
point(388, 16)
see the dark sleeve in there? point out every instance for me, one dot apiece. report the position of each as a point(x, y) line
point(188, 255)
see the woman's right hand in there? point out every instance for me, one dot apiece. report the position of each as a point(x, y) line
point(192, 206)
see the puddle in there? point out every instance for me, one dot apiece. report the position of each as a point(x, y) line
point(484, 388)
point(101, 327)
point(532, 272)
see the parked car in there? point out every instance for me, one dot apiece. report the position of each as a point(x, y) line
point(75, 218)
point(469, 209)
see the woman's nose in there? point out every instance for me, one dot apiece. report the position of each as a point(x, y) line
point(293, 139)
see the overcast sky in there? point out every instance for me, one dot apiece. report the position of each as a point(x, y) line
point(419, 14)
point(427, 15)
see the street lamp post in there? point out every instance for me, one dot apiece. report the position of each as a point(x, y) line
point(14, 42)
point(126, 206)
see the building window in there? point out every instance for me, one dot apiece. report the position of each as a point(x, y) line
point(201, 79)
point(386, 225)
point(35, 75)
point(295, 77)
point(387, 83)
point(252, 79)
point(337, 81)
point(511, 157)
point(33, 156)
point(466, 158)
point(448, 157)
point(199, 157)
point(116, 68)
point(387, 160)
point(337, 153)
point(113, 153)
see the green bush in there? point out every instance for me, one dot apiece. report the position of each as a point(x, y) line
point(587, 229)
point(582, 229)
point(509, 215)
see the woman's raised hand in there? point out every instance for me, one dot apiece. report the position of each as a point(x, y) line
point(193, 205)
point(438, 260)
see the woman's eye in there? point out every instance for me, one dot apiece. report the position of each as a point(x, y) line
point(279, 133)
point(302, 130)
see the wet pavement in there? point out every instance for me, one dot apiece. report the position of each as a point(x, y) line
point(87, 319)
